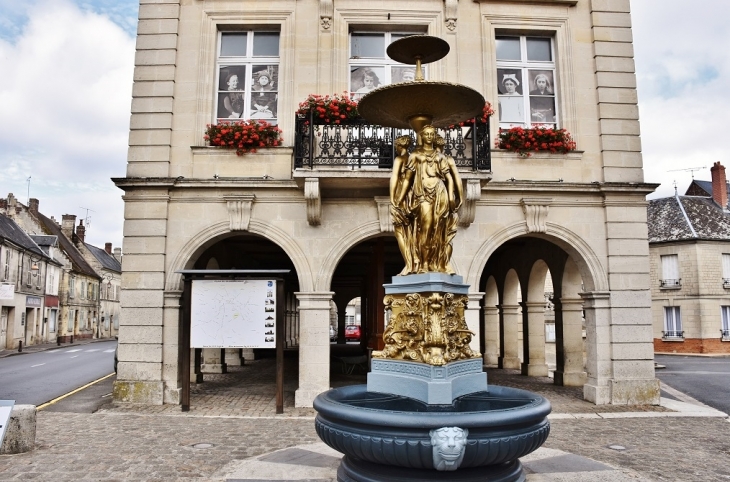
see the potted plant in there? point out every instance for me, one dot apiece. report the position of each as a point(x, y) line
point(243, 136)
point(525, 141)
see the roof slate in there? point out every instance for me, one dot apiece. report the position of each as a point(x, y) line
point(667, 222)
point(12, 232)
point(107, 260)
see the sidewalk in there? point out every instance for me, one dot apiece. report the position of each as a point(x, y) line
point(232, 434)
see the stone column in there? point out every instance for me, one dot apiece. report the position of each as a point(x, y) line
point(314, 346)
point(535, 365)
point(597, 307)
point(212, 362)
point(233, 357)
point(572, 373)
point(471, 315)
point(491, 336)
point(511, 319)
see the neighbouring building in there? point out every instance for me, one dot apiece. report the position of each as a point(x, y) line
point(107, 264)
point(689, 253)
point(318, 204)
point(29, 283)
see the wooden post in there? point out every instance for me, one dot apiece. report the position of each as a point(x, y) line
point(198, 362)
point(184, 349)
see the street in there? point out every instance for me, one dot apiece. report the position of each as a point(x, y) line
point(706, 379)
point(36, 378)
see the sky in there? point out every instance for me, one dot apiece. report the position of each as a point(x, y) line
point(66, 83)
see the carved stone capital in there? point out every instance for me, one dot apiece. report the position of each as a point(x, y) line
point(536, 212)
point(473, 191)
point(451, 8)
point(314, 201)
point(239, 211)
point(326, 10)
point(386, 222)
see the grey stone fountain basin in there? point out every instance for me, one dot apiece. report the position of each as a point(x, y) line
point(383, 433)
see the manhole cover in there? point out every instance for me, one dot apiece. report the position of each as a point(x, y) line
point(202, 446)
point(617, 447)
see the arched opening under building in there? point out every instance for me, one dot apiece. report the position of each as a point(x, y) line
point(532, 311)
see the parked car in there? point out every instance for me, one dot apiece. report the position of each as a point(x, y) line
point(352, 332)
point(333, 333)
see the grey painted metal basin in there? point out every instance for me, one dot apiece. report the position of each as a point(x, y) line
point(504, 424)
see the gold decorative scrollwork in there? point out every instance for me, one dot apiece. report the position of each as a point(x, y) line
point(426, 327)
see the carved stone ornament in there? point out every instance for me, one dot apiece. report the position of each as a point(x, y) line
point(314, 201)
point(469, 208)
point(426, 327)
point(449, 445)
point(450, 13)
point(239, 211)
point(326, 10)
point(386, 221)
point(536, 211)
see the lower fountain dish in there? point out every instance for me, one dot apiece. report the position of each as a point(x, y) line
point(385, 434)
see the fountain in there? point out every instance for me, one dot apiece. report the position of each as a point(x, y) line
point(427, 412)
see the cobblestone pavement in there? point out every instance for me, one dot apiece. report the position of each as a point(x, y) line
point(234, 412)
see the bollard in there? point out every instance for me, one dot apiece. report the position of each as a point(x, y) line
point(20, 346)
point(72, 339)
point(58, 341)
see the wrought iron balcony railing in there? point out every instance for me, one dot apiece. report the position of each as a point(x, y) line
point(725, 334)
point(673, 334)
point(670, 283)
point(355, 144)
point(726, 282)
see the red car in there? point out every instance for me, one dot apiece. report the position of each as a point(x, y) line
point(352, 332)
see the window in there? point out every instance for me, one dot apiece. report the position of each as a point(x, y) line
point(725, 270)
point(6, 267)
point(248, 75)
point(71, 287)
point(526, 81)
point(82, 294)
point(725, 327)
point(370, 66)
point(672, 322)
point(71, 320)
point(670, 272)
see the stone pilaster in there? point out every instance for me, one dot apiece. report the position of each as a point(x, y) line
point(511, 320)
point(314, 346)
point(471, 315)
point(491, 336)
point(571, 373)
point(535, 365)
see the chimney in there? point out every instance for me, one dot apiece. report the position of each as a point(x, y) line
point(81, 230)
point(33, 206)
point(118, 254)
point(68, 221)
point(108, 248)
point(719, 184)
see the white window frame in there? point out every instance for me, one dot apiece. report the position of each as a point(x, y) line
point(384, 62)
point(523, 66)
point(726, 270)
point(6, 267)
point(725, 322)
point(71, 321)
point(673, 322)
point(670, 271)
point(246, 62)
point(72, 287)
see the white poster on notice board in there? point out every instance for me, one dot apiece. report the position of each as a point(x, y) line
point(233, 314)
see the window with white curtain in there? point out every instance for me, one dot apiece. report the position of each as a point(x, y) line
point(725, 327)
point(670, 271)
point(673, 322)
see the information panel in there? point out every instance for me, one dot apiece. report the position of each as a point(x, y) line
point(233, 314)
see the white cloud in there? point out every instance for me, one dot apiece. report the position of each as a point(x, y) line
point(683, 73)
point(65, 94)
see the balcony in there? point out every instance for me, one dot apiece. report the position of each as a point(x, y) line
point(673, 335)
point(670, 284)
point(726, 282)
point(356, 144)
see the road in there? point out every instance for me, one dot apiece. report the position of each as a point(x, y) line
point(36, 378)
point(706, 379)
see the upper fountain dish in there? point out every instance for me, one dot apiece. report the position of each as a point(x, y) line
point(416, 104)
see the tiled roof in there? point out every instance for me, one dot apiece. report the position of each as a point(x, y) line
point(704, 186)
point(107, 260)
point(681, 218)
point(79, 263)
point(42, 240)
point(11, 231)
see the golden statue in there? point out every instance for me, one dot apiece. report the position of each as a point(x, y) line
point(425, 195)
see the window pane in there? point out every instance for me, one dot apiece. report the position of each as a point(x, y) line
point(365, 79)
point(233, 44)
point(266, 44)
point(508, 48)
point(367, 45)
point(539, 49)
point(542, 109)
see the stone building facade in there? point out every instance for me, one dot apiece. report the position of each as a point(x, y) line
point(580, 217)
point(689, 255)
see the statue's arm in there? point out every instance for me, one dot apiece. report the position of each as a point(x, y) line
point(457, 187)
point(394, 180)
